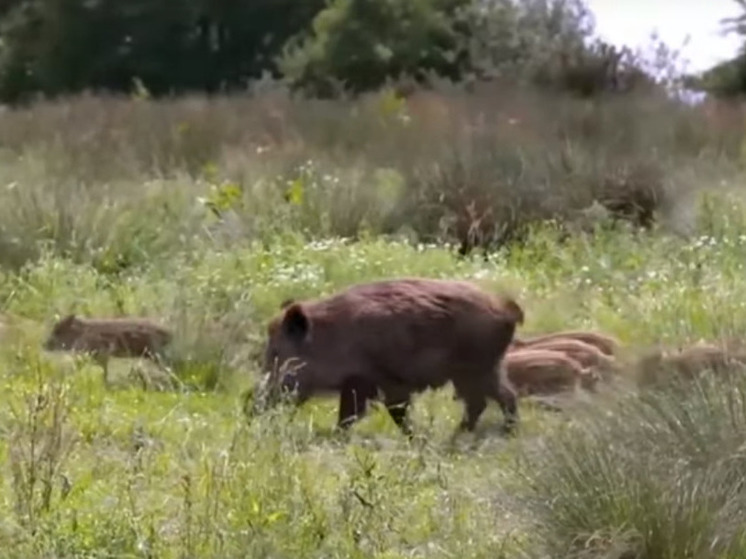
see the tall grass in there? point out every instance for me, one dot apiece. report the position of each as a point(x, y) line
point(208, 212)
point(653, 475)
point(122, 181)
point(125, 472)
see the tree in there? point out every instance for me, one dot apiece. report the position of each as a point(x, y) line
point(61, 46)
point(727, 79)
point(363, 42)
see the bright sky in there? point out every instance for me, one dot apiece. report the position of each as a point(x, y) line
point(630, 22)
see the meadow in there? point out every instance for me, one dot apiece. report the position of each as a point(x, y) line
point(206, 213)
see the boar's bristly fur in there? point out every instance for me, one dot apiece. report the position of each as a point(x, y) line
point(394, 338)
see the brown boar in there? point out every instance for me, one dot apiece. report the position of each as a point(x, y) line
point(397, 338)
point(109, 337)
point(587, 355)
point(546, 372)
point(607, 344)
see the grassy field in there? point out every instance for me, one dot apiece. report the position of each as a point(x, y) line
point(111, 207)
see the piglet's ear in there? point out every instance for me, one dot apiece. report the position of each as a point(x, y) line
point(296, 323)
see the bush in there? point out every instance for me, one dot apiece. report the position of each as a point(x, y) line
point(659, 475)
point(121, 182)
point(362, 43)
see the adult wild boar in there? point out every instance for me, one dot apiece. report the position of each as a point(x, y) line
point(103, 338)
point(394, 338)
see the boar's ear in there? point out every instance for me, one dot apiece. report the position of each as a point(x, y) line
point(296, 323)
point(286, 303)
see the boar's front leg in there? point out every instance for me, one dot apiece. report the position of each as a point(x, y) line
point(353, 399)
point(399, 411)
point(474, 396)
point(397, 399)
point(397, 402)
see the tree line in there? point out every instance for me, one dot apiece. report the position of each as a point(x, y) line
point(322, 47)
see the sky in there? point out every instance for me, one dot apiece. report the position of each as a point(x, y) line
point(630, 22)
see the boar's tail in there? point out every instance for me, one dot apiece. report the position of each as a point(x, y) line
point(513, 316)
point(513, 310)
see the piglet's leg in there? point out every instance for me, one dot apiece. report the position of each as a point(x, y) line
point(102, 360)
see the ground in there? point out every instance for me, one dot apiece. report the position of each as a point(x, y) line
point(125, 472)
point(206, 214)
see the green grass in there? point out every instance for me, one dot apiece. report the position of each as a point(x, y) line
point(90, 472)
point(658, 475)
point(207, 214)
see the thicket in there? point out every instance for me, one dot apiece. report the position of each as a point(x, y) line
point(56, 47)
point(120, 182)
point(445, 120)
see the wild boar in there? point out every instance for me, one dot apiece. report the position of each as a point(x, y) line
point(655, 367)
point(587, 355)
point(109, 337)
point(546, 372)
point(395, 338)
point(605, 343)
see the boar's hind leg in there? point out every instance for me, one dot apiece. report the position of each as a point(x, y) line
point(474, 395)
point(397, 398)
point(475, 403)
point(353, 401)
point(102, 359)
point(502, 391)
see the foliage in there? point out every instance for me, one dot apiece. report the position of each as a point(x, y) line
point(364, 42)
point(727, 79)
point(59, 47)
point(122, 182)
point(126, 471)
point(654, 475)
point(63, 46)
point(207, 213)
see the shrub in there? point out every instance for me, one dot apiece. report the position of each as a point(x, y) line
point(120, 182)
point(655, 475)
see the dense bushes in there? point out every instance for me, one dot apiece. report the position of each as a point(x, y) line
point(57, 47)
point(120, 181)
